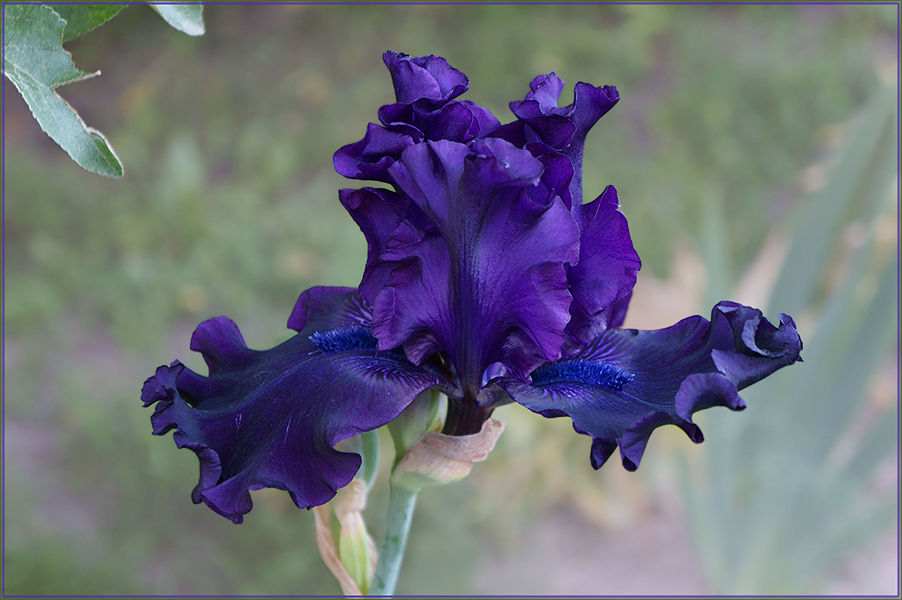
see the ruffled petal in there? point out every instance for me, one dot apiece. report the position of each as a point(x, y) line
point(606, 271)
point(457, 122)
point(590, 103)
point(390, 222)
point(626, 383)
point(425, 88)
point(489, 283)
point(324, 308)
point(272, 418)
point(428, 78)
point(371, 157)
point(542, 126)
point(541, 100)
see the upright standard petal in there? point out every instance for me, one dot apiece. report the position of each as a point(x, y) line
point(488, 284)
point(543, 127)
point(390, 222)
point(426, 110)
point(428, 78)
point(272, 418)
point(603, 279)
point(625, 383)
point(371, 157)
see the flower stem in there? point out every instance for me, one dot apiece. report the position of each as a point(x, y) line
point(401, 502)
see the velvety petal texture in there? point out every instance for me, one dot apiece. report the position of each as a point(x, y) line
point(625, 383)
point(426, 109)
point(542, 127)
point(371, 157)
point(429, 78)
point(602, 281)
point(473, 253)
point(272, 418)
point(486, 279)
point(489, 283)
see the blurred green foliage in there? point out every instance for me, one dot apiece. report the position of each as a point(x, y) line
point(775, 520)
point(230, 207)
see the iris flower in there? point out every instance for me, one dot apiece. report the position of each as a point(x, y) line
point(488, 278)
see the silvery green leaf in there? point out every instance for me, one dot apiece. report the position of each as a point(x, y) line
point(36, 63)
point(187, 18)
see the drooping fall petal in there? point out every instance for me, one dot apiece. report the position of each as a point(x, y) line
point(272, 418)
point(625, 383)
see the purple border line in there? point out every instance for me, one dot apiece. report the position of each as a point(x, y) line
point(505, 3)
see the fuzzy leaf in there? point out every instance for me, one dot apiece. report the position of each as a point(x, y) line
point(36, 63)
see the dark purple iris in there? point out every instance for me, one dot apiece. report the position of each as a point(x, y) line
point(488, 279)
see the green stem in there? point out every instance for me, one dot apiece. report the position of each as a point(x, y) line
point(369, 450)
point(401, 502)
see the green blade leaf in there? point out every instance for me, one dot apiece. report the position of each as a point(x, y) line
point(36, 63)
point(790, 488)
point(82, 18)
point(869, 144)
point(187, 18)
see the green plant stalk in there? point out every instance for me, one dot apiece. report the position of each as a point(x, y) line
point(369, 450)
point(401, 503)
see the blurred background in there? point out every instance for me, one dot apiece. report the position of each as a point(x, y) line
point(755, 153)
